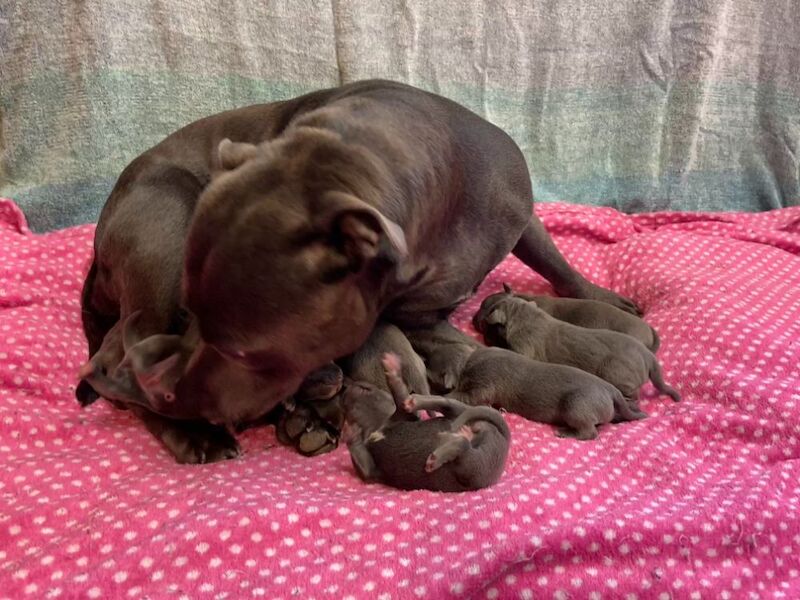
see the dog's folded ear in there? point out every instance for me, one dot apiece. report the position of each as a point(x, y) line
point(234, 154)
point(360, 232)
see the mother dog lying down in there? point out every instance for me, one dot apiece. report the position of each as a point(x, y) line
point(343, 205)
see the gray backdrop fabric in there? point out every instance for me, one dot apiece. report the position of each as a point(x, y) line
point(637, 104)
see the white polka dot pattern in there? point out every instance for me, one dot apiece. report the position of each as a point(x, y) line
point(700, 500)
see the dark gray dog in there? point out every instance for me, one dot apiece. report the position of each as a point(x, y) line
point(621, 360)
point(546, 393)
point(371, 201)
point(584, 313)
point(465, 449)
point(324, 213)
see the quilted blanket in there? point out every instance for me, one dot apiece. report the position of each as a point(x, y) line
point(700, 500)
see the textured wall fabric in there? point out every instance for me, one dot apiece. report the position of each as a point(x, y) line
point(641, 105)
point(700, 500)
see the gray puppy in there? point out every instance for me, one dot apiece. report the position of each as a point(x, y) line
point(584, 313)
point(463, 450)
point(621, 360)
point(541, 392)
point(365, 364)
point(445, 351)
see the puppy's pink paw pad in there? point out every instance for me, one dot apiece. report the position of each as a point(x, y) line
point(466, 432)
point(409, 404)
point(430, 464)
point(391, 363)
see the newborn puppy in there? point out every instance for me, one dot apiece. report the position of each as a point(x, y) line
point(365, 364)
point(584, 313)
point(621, 360)
point(192, 441)
point(445, 351)
point(541, 392)
point(465, 449)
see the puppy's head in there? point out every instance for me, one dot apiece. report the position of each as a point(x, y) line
point(488, 305)
point(366, 406)
point(283, 256)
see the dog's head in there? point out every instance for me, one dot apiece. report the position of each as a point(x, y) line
point(284, 260)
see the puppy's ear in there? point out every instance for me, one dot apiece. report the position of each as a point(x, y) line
point(497, 316)
point(507, 288)
point(360, 232)
point(157, 364)
point(234, 154)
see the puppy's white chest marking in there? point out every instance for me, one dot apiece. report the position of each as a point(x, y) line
point(376, 436)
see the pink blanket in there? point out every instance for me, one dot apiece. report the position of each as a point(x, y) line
point(700, 500)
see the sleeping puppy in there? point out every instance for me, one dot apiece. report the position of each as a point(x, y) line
point(110, 373)
point(584, 313)
point(312, 419)
point(435, 345)
point(541, 392)
point(465, 449)
point(366, 363)
point(621, 360)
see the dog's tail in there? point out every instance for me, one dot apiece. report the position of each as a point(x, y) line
point(658, 381)
point(623, 410)
point(656, 341)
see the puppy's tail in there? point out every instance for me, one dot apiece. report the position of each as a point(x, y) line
point(623, 410)
point(656, 341)
point(482, 413)
point(658, 381)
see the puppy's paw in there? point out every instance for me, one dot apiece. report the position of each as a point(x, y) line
point(409, 404)
point(391, 363)
point(432, 463)
point(466, 432)
point(316, 442)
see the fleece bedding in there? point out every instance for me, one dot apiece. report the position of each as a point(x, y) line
point(700, 500)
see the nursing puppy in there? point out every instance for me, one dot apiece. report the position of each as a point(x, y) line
point(619, 359)
point(584, 313)
point(373, 201)
point(366, 365)
point(445, 351)
point(465, 449)
point(312, 419)
point(546, 393)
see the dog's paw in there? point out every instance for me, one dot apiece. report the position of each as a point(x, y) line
point(591, 291)
point(306, 431)
point(409, 404)
point(192, 444)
